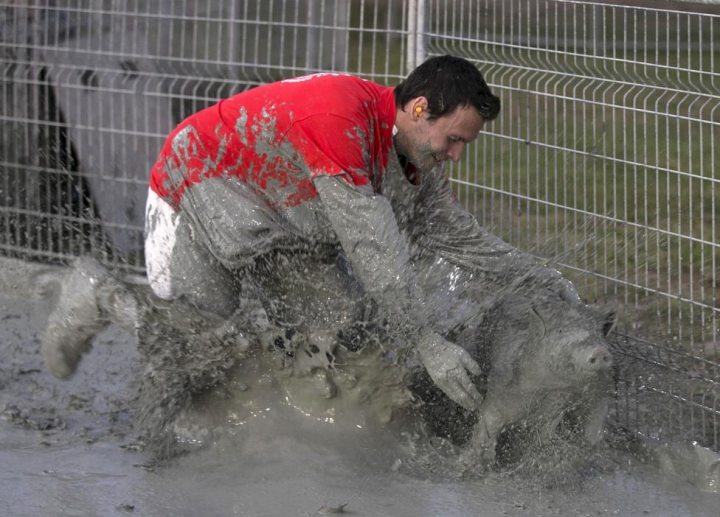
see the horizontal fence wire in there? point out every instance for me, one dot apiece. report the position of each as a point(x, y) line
point(603, 160)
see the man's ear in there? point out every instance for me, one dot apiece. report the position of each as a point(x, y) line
point(418, 107)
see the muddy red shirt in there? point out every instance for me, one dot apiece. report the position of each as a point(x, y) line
point(276, 138)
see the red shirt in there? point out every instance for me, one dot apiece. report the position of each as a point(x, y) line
point(276, 138)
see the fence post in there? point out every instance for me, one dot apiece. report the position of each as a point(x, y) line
point(327, 36)
point(417, 33)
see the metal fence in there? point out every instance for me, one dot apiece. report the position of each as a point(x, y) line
point(603, 159)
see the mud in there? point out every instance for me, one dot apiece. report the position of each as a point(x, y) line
point(69, 448)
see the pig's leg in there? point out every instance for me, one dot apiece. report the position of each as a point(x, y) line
point(595, 420)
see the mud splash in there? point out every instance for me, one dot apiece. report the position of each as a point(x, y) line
point(272, 459)
point(197, 366)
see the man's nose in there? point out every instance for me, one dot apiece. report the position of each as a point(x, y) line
point(455, 151)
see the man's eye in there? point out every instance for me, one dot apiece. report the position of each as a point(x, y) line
point(454, 139)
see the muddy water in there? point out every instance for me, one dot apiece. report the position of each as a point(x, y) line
point(67, 448)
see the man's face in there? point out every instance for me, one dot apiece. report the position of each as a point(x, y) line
point(430, 142)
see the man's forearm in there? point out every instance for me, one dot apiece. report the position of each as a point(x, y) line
point(376, 251)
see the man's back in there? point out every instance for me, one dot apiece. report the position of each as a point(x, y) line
point(276, 138)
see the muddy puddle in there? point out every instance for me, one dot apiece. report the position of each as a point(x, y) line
point(68, 448)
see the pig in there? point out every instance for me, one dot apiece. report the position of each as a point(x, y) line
point(546, 368)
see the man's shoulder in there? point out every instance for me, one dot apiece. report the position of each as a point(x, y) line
point(321, 77)
point(328, 85)
point(325, 92)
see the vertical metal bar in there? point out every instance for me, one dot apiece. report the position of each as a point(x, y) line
point(412, 35)
point(361, 36)
point(678, 185)
point(270, 44)
point(341, 36)
point(545, 31)
point(714, 209)
point(20, 25)
point(322, 33)
point(388, 38)
point(373, 51)
point(312, 37)
point(7, 91)
point(296, 35)
point(283, 32)
point(417, 33)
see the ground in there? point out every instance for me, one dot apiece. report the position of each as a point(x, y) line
point(69, 448)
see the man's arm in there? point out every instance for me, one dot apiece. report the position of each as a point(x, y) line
point(368, 232)
point(451, 232)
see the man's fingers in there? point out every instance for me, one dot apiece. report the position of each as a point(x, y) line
point(469, 387)
point(448, 365)
point(460, 396)
point(465, 390)
point(469, 363)
point(477, 397)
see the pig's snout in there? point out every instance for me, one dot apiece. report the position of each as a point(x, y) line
point(597, 358)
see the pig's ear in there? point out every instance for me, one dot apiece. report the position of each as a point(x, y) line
point(608, 317)
point(605, 315)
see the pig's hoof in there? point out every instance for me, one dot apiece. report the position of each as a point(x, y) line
point(75, 320)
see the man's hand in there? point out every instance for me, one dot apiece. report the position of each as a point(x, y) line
point(568, 292)
point(447, 364)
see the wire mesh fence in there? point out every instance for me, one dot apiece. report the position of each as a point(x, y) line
point(91, 88)
point(603, 160)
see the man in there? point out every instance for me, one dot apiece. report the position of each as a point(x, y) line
point(301, 164)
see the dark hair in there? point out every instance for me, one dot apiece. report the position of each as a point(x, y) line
point(448, 82)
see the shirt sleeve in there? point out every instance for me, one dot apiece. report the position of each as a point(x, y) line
point(377, 252)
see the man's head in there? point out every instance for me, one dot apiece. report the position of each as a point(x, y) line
point(441, 106)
